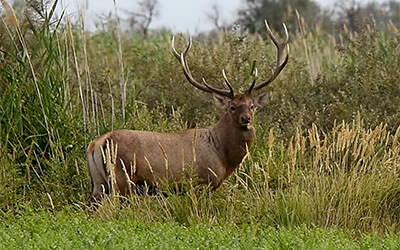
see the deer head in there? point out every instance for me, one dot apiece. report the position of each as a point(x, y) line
point(215, 151)
point(240, 106)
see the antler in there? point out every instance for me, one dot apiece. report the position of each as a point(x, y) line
point(205, 87)
point(279, 64)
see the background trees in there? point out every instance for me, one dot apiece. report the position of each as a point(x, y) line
point(351, 14)
point(255, 11)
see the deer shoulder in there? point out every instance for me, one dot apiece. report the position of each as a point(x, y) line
point(213, 152)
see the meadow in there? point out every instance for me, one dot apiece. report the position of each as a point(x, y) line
point(324, 171)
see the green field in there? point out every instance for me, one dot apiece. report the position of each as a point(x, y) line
point(70, 229)
point(324, 171)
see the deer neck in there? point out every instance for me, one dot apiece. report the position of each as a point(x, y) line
point(233, 142)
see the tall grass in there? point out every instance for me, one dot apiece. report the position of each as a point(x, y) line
point(347, 177)
point(327, 143)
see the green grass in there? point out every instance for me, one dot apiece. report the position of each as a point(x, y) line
point(324, 171)
point(73, 230)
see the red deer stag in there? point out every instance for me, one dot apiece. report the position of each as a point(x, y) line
point(214, 152)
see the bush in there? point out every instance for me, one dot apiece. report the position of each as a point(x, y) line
point(327, 147)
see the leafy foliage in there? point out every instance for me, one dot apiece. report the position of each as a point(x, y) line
point(276, 11)
point(327, 152)
point(74, 230)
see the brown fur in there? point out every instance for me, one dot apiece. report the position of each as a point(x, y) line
point(215, 152)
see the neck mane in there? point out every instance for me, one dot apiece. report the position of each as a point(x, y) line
point(232, 141)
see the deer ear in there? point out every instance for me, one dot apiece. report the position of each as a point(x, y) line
point(220, 101)
point(261, 99)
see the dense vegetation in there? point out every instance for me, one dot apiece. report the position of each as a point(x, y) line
point(69, 229)
point(327, 153)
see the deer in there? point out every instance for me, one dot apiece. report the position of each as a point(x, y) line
point(214, 152)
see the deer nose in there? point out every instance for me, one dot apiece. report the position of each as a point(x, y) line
point(245, 119)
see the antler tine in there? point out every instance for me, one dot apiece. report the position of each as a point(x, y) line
point(228, 83)
point(182, 59)
point(254, 81)
point(273, 38)
point(279, 64)
point(188, 74)
point(222, 92)
point(174, 51)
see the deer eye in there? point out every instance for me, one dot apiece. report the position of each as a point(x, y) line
point(251, 106)
point(232, 108)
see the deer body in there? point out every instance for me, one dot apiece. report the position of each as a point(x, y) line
point(213, 152)
point(209, 150)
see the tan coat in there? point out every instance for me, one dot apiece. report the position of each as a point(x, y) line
point(214, 152)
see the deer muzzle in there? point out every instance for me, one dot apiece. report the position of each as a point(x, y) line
point(245, 120)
